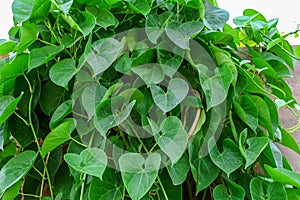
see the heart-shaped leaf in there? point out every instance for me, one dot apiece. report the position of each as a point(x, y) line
point(40, 56)
point(247, 111)
point(150, 73)
point(109, 188)
point(181, 33)
point(110, 113)
point(104, 18)
point(230, 159)
point(172, 138)
point(22, 10)
point(103, 54)
point(8, 105)
point(138, 171)
point(215, 18)
point(178, 172)
point(177, 91)
point(58, 136)
point(62, 111)
point(29, 34)
point(64, 5)
point(86, 21)
point(154, 25)
point(62, 72)
point(92, 161)
point(15, 169)
point(255, 146)
point(231, 192)
point(260, 189)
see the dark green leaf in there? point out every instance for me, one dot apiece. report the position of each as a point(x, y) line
point(12, 192)
point(15, 169)
point(178, 171)
point(86, 21)
point(232, 192)
point(104, 18)
point(215, 18)
point(28, 36)
point(135, 169)
point(150, 73)
point(172, 191)
point(62, 111)
point(91, 161)
point(140, 6)
point(58, 136)
point(273, 191)
point(8, 105)
point(63, 71)
point(22, 10)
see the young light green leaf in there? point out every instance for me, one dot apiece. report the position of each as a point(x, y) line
point(58, 136)
point(109, 188)
point(177, 91)
point(154, 25)
point(150, 73)
point(230, 159)
point(7, 47)
point(178, 171)
point(247, 111)
point(215, 18)
point(12, 192)
point(259, 189)
point(104, 18)
point(105, 51)
point(64, 5)
point(91, 161)
point(63, 71)
point(181, 33)
point(255, 146)
point(8, 105)
point(62, 111)
point(172, 139)
point(110, 113)
point(135, 169)
point(284, 176)
point(15, 169)
point(40, 56)
point(140, 6)
point(232, 192)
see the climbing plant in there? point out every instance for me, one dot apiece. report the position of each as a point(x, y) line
point(148, 99)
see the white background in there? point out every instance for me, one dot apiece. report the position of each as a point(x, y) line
point(288, 12)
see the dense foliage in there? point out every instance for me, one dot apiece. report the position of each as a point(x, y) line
point(144, 99)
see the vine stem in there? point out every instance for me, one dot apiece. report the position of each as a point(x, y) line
point(31, 89)
point(162, 188)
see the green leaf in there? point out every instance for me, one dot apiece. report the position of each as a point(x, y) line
point(110, 113)
point(155, 25)
point(232, 192)
point(86, 21)
point(12, 192)
point(63, 71)
point(15, 169)
point(40, 56)
point(177, 91)
point(140, 6)
point(204, 171)
point(28, 36)
point(62, 111)
point(169, 61)
point(255, 146)
point(261, 190)
point(51, 97)
point(218, 37)
point(150, 73)
point(297, 51)
point(64, 5)
point(7, 47)
point(284, 176)
point(138, 171)
point(105, 51)
point(247, 111)
point(40, 10)
point(215, 18)
point(104, 18)
point(73, 24)
point(288, 141)
point(109, 188)
point(8, 105)
point(22, 10)
point(91, 97)
point(172, 191)
point(179, 171)
point(172, 139)
point(58, 136)
point(12, 70)
point(230, 159)
point(123, 64)
point(181, 33)
point(91, 161)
